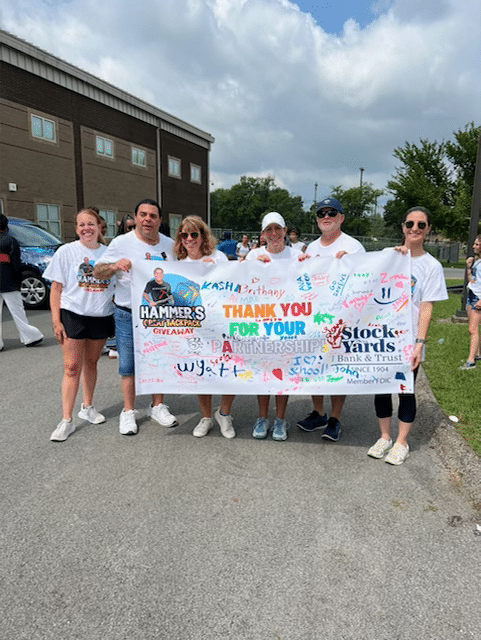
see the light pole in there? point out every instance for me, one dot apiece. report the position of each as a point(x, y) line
point(362, 171)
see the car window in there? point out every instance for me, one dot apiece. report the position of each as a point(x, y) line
point(27, 236)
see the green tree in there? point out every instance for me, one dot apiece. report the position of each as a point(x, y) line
point(242, 206)
point(462, 153)
point(358, 203)
point(424, 180)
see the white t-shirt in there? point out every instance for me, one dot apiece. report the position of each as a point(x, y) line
point(298, 246)
point(343, 243)
point(241, 250)
point(216, 256)
point(130, 247)
point(427, 284)
point(72, 266)
point(286, 254)
point(476, 273)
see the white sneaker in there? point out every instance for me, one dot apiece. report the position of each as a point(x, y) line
point(225, 424)
point(113, 354)
point(63, 430)
point(398, 454)
point(162, 415)
point(380, 448)
point(127, 424)
point(90, 414)
point(203, 428)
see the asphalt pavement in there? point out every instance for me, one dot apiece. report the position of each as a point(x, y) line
point(165, 536)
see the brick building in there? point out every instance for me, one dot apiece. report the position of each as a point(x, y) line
point(69, 140)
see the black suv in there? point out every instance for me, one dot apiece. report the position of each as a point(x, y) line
point(37, 247)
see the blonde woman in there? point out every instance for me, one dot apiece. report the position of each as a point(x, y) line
point(194, 242)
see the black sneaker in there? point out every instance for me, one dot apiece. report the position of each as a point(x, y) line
point(313, 421)
point(333, 429)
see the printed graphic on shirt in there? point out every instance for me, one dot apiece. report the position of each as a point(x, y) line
point(171, 301)
point(86, 280)
point(149, 256)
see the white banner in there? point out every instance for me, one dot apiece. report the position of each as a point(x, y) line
point(321, 326)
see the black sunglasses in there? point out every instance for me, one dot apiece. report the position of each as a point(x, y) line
point(409, 224)
point(193, 235)
point(332, 213)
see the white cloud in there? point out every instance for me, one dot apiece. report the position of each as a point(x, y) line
point(281, 96)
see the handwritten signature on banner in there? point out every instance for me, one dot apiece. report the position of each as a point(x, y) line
point(325, 326)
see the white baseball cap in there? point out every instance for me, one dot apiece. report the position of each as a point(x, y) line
point(273, 218)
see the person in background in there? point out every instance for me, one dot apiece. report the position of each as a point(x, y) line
point(473, 304)
point(10, 276)
point(274, 231)
point(82, 317)
point(194, 242)
point(294, 233)
point(126, 224)
point(427, 286)
point(243, 247)
point(228, 246)
point(116, 263)
point(332, 243)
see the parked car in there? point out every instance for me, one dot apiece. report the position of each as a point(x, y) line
point(37, 247)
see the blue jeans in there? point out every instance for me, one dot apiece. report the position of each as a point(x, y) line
point(124, 333)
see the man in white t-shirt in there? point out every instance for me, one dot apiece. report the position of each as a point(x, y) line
point(144, 243)
point(333, 242)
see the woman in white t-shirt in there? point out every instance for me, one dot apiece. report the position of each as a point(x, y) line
point(194, 242)
point(473, 304)
point(243, 248)
point(274, 231)
point(82, 317)
point(427, 286)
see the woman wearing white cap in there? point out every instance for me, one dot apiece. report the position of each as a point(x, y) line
point(274, 230)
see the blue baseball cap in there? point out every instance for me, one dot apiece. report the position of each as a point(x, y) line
point(330, 202)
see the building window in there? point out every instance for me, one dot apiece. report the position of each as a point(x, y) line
point(48, 217)
point(111, 219)
point(195, 173)
point(174, 167)
point(175, 220)
point(42, 128)
point(104, 147)
point(139, 157)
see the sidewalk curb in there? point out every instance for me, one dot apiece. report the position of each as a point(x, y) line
point(456, 455)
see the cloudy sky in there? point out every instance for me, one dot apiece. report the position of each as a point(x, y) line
point(306, 92)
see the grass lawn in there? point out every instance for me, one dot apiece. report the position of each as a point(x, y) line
point(457, 392)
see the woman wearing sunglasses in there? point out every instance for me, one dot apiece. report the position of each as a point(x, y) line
point(194, 242)
point(427, 286)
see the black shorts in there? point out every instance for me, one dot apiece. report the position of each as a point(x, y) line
point(87, 327)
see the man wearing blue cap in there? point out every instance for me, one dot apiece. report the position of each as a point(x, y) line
point(335, 243)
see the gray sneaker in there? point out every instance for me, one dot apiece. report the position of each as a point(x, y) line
point(279, 429)
point(261, 428)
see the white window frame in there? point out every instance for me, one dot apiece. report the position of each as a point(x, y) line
point(174, 167)
point(49, 218)
point(43, 122)
point(195, 169)
point(110, 217)
point(137, 156)
point(104, 143)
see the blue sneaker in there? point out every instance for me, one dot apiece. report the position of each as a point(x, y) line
point(313, 421)
point(333, 429)
point(279, 429)
point(261, 428)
